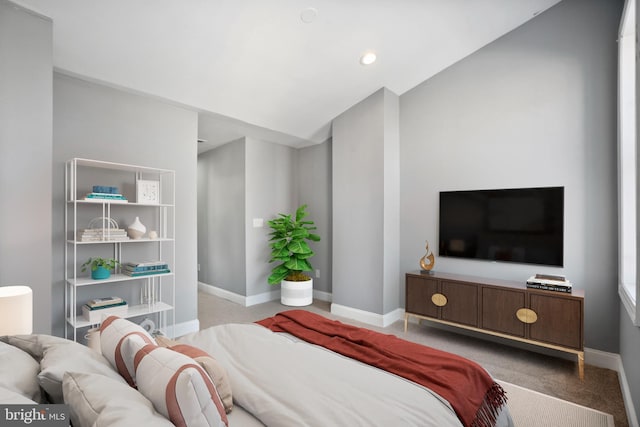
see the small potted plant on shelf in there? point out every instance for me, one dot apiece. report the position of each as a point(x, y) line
point(100, 267)
point(289, 247)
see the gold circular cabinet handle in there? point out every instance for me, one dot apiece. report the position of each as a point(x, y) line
point(439, 300)
point(526, 315)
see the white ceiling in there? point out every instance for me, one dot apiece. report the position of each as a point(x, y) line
point(253, 67)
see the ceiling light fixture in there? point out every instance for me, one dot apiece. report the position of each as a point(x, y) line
point(368, 58)
point(309, 15)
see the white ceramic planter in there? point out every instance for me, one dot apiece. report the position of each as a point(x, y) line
point(296, 294)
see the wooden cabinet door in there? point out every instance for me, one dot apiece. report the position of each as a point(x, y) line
point(462, 303)
point(559, 320)
point(499, 307)
point(418, 296)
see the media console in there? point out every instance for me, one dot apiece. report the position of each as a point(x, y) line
point(501, 308)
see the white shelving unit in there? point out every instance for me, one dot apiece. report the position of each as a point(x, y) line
point(148, 297)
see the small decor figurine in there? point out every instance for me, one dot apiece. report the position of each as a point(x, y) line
point(427, 261)
point(137, 229)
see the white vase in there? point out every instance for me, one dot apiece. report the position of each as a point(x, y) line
point(137, 229)
point(296, 294)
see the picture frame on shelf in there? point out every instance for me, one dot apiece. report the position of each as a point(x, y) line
point(148, 191)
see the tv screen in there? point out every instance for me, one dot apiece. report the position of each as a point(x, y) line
point(523, 225)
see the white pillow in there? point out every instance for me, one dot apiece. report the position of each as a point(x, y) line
point(19, 372)
point(10, 397)
point(120, 339)
point(179, 388)
point(95, 400)
point(57, 356)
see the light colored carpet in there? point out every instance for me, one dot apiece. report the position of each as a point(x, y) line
point(529, 408)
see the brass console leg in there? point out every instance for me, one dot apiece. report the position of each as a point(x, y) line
point(406, 321)
point(581, 364)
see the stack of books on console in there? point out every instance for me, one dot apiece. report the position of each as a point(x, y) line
point(96, 309)
point(101, 193)
point(547, 282)
point(102, 234)
point(147, 268)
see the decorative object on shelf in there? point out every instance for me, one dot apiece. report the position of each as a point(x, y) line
point(16, 310)
point(427, 261)
point(102, 229)
point(153, 234)
point(137, 229)
point(289, 246)
point(147, 191)
point(136, 269)
point(547, 282)
point(100, 267)
point(148, 325)
point(103, 222)
point(102, 193)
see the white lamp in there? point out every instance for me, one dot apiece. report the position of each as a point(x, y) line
point(16, 310)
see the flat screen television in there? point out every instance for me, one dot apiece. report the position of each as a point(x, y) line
point(522, 225)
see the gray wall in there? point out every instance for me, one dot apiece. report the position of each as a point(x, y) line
point(221, 217)
point(365, 205)
point(245, 180)
point(253, 179)
point(629, 352)
point(313, 179)
point(535, 108)
point(270, 182)
point(97, 122)
point(25, 156)
point(630, 334)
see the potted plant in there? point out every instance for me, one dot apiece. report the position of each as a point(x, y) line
point(100, 267)
point(290, 249)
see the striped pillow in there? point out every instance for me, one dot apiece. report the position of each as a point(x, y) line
point(215, 370)
point(178, 388)
point(120, 339)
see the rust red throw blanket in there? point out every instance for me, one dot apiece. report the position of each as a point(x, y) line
point(472, 393)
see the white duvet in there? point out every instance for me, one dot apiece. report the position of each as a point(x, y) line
point(283, 381)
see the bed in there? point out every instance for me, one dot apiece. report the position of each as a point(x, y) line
point(264, 375)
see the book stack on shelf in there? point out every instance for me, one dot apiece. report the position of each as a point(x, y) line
point(547, 282)
point(148, 268)
point(101, 193)
point(103, 234)
point(94, 310)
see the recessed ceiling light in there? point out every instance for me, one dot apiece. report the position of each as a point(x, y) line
point(368, 58)
point(309, 15)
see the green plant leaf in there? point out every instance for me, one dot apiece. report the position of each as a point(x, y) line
point(299, 233)
point(298, 264)
point(279, 244)
point(300, 213)
point(299, 247)
point(276, 278)
point(305, 256)
point(314, 237)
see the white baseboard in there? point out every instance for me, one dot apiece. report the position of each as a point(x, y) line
point(626, 395)
point(237, 298)
point(602, 359)
point(322, 296)
point(253, 299)
point(375, 319)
